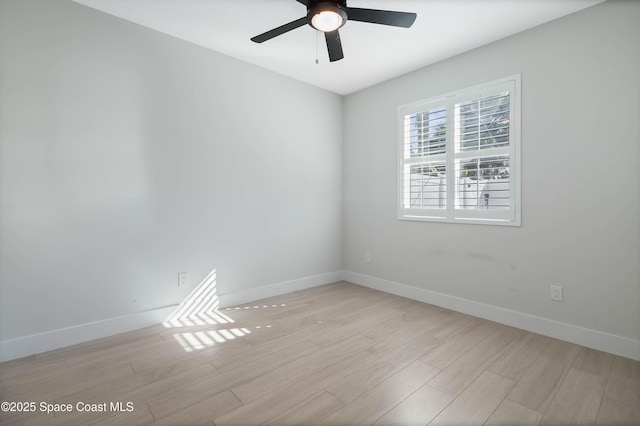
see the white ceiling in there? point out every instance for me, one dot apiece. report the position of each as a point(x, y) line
point(373, 53)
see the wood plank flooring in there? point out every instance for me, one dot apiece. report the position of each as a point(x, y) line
point(339, 354)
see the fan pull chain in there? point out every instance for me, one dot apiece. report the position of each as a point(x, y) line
point(317, 46)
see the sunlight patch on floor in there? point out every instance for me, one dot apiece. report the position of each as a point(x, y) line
point(201, 308)
point(197, 340)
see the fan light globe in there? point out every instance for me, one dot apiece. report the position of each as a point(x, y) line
point(327, 21)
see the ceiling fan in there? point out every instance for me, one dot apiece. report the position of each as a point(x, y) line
point(329, 16)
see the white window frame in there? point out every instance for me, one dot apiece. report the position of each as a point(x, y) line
point(510, 217)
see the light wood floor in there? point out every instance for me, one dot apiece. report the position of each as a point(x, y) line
point(339, 354)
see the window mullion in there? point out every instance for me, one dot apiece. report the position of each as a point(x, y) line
point(452, 118)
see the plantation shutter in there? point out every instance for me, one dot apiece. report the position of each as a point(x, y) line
point(457, 156)
point(424, 157)
point(483, 187)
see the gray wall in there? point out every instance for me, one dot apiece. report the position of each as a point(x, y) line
point(580, 179)
point(128, 156)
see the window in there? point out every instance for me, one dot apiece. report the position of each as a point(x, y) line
point(459, 156)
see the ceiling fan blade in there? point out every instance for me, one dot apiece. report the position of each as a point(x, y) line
point(334, 46)
point(384, 17)
point(305, 2)
point(280, 30)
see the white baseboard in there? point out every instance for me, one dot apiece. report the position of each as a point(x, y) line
point(43, 342)
point(246, 296)
point(60, 338)
point(595, 339)
point(55, 339)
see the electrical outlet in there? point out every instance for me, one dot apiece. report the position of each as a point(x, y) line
point(367, 258)
point(183, 279)
point(556, 293)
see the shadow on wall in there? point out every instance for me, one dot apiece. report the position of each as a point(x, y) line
point(200, 309)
